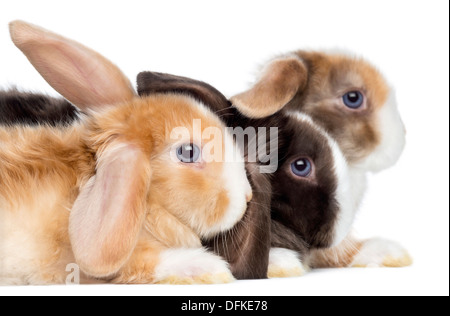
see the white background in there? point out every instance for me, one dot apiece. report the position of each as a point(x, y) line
point(223, 43)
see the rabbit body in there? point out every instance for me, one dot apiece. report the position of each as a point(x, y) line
point(42, 170)
point(37, 191)
point(118, 193)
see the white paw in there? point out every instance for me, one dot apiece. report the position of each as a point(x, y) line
point(285, 263)
point(379, 252)
point(191, 266)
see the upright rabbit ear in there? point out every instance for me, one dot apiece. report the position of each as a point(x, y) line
point(279, 83)
point(107, 216)
point(80, 74)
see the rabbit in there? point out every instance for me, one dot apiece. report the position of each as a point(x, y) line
point(113, 192)
point(19, 108)
point(311, 203)
point(352, 102)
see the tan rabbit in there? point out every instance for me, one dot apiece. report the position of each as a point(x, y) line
point(113, 193)
point(352, 102)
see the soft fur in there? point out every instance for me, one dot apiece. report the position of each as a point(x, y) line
point(104, 192)
point(315, 202)
point(371, 138)
point(311, 83)
point(33, 109)
point(307, 213)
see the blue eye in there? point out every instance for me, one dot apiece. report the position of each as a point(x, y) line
point(302, 167)
point(353, 99)
point(188, 153)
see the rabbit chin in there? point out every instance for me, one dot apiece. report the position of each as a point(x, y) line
point(237, 186)
point(393, 138)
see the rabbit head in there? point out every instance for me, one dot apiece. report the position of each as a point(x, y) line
point(311, 186)
point(149, 152)
point(347, 96)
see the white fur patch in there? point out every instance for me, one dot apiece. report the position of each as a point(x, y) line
point(393, 140)
point(285, 263)
point(284, 257)
point(379, 252)
point(344, 196)
point(185, 264)
point(236, 183)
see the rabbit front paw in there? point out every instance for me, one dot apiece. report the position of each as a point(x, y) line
point(191, 266)
point(285, 263)
point(379, 252)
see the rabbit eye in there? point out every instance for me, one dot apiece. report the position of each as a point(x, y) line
point(188, 153)
point(353, 99)
point(302, 167)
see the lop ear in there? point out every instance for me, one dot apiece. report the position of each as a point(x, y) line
point(154, 82)
point(108, 214)
point(81, 75)
point(279, 83)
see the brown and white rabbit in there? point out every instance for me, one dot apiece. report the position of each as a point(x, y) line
point(352, 102)
point(309, 190)
point(114, 192)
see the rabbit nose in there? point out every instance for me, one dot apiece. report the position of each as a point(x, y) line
point(249, 196)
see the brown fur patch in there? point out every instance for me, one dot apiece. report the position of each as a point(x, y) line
point(340, 256)
point(280, 82)
point(33, 156)
point(141, 266)
point(34, 109)
point(169, 231)
point(392, 262)
point(330, 77)
point(246, 246)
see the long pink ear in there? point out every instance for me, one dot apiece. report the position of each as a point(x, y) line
point(80, 74)
point(108, 214)
point(278, 84)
